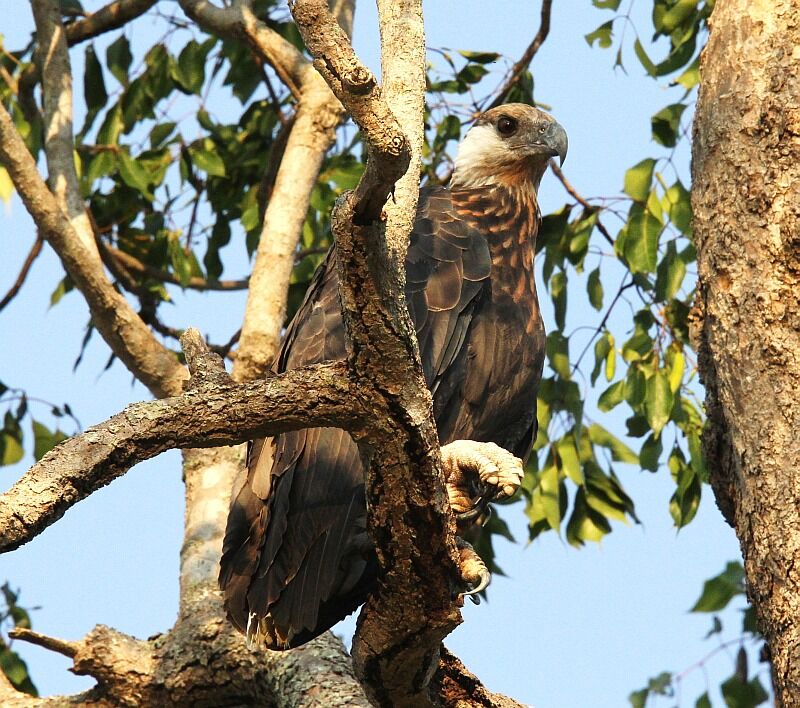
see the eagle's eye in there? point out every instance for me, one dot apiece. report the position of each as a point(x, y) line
point(506, 125)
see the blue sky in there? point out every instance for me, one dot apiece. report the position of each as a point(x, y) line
point(567, 628)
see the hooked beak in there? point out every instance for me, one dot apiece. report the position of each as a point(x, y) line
point(555, 139)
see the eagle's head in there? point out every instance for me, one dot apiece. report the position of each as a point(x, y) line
point(508, 145)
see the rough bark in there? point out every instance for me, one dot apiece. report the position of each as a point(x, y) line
point(375, 394)
point(746, 200)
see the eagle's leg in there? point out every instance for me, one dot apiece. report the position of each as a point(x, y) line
point(474, 573)
point(477, 473)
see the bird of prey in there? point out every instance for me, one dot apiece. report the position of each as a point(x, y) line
point(297, 556)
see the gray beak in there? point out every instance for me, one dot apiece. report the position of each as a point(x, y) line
point(556, 139)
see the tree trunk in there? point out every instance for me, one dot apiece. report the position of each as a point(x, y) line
point(746, 200)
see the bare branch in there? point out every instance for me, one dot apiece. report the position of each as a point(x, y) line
point(312, 133)
point(528, 55)
point(356, 87)
point(129, 338)
point(33, 254)
point(53, 59)
point(109, 17)
point(210, 414)
point(60, 646)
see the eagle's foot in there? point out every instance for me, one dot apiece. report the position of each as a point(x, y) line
point(474, 574)
point(476, 473)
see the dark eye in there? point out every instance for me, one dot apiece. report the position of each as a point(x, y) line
point(506, 125)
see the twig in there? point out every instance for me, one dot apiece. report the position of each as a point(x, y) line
point(36, 249)
point(60, 646)
point(578, 198)
point(527, 57)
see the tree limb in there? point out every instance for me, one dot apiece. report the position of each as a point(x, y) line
point(53, 60)
point(129, 338)
point(109, 17)
point(214, 411)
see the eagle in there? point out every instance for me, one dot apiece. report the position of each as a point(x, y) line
point(297, 556)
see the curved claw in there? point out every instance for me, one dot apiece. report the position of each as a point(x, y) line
point(485, 578)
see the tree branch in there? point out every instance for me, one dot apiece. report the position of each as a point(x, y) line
point(53, 60)
point(109, 17)
point(213, 412)
point(129, 338)
point(396, 647)
point(528, 55)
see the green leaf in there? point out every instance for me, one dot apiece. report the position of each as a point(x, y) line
point(94, 87)
point(638, 180)
point(557, 348)
point(133, 174)
point(45, 439)
point(650, 453)
point(568, 457)
point(669, 274)
point(594, 287)
point(602, 348)
point(740, 693)
point(640, 246)
point(703, 702)
point(612, 396)
point(558, 293)
point(207, 160)
point(11, 450)
point(119, 58)
point(638, 699)
point(602, 35)
point(549, 489)
point(112, 126)
point(479, 57)
point(678, 205)
point(620, 452)
point(645, 60)
point(691, 76)
point(666, 124)
point(189, 71)
point(160, 133)
point(677, 15)
point(658, 401)
point(721, 589)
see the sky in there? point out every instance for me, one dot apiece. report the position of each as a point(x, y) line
point(566, 628)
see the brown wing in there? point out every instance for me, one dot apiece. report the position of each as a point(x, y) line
point(296, 547)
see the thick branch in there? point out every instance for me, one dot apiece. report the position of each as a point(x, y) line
point(356, 87)
point(400, 630)
point(312, 133)
point(215, 412)
point(129, 338)
point(528, 55)
point(56, 72)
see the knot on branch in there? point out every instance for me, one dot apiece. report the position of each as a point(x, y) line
point(205, 367)
point(359, 81)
